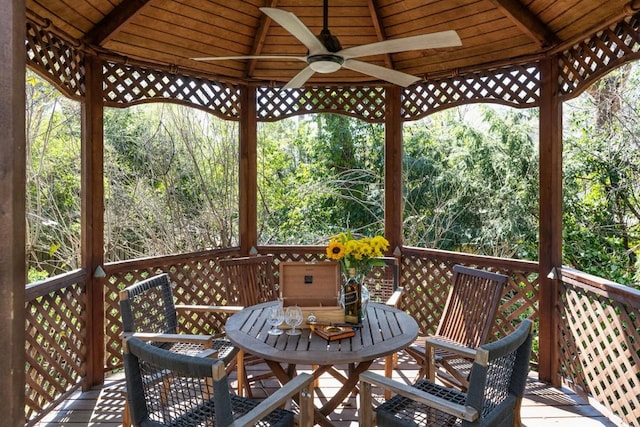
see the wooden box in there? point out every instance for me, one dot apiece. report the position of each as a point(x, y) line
point(310, 284)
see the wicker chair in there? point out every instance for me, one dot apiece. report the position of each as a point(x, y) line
point(171, 389)
point(250, 281)
point(149, 312)
point(496, 386)
point(467, 318)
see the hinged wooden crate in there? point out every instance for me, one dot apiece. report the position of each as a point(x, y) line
point(314, 287)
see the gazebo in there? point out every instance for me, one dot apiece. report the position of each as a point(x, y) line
point(520, 53)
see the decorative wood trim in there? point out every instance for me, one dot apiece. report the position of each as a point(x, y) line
point(56, 60)
point(127, 85)
point(592, 58)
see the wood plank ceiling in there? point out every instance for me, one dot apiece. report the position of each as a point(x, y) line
point(171, 32)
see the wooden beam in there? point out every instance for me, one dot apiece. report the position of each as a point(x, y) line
point(248, 170)
point(379, 28)
point(258, 41)
point(528, 22)
point(550, 227)
point(92, 222)
point(12, 211)
point(113, 22)
point(393, 205)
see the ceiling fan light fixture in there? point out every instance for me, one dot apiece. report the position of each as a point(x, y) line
point(325, 63)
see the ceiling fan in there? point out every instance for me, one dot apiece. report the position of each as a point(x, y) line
point(325, 54)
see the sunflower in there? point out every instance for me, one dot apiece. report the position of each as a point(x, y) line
point(335, 250)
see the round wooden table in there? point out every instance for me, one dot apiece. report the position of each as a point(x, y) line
point(385, 331)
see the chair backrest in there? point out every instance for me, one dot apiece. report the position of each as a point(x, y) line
point(250, 280)
point(168, 388)
point(147, 306)
point(499, 376)
point(471, 306)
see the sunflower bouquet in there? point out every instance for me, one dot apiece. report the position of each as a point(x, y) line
point(360, 254)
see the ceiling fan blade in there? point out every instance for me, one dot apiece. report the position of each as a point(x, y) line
point(296, 27)
point(426, 41)
point(392, 76)
point(228, 58)
point(300, 79)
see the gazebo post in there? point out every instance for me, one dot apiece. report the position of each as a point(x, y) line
point(248, 170)
point(393, 167)
point(92, 212)
point(12, 211)
point(550, 209)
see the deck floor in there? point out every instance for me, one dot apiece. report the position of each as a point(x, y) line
point(543, 405)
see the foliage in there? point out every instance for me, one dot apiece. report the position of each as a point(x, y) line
point(359, 254)
point(602, 178)
point(470, 179)
point(52, 195)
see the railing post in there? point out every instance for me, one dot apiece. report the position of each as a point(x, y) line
point(12, 211)
point(550, 232)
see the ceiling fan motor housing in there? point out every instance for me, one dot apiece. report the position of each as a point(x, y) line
point(325, 63)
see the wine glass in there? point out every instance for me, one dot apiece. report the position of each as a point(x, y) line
point(293, 318)
point(275, 319)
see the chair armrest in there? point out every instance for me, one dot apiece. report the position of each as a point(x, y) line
point(450, 346)
point(230, 309)
point(467, 413)
point(394, 299)
point(302, 384)
point(205, 340)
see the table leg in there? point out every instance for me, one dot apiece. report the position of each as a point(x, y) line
point(284, 376)
point(349, 385)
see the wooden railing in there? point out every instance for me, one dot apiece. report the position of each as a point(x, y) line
point(599, 341)
point(598, 321)
point(55, 346)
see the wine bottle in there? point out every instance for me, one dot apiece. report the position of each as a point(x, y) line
point(352, 300)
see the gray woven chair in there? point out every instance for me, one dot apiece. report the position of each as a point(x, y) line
point(171, 389)
point(496, 386)
point(149, 312)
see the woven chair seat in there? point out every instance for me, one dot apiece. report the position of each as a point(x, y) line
point(177, 390)
point(401, 411)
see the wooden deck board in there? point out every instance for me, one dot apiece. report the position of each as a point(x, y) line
point(543, 405)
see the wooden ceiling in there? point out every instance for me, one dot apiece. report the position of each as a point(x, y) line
point(170, 32)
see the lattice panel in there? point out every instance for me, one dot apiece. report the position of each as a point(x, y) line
point(56, 348)
point(427, 280)
point(592, 58)
point(599, 342)
point(364, 103)
point(196, 282)
point(56, 60)
point(517, 86)
point(126, 85)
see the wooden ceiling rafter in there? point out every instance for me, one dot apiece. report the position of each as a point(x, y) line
point(114, 21)
point(379, 29)
point(527, 21)
point(258, 42)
